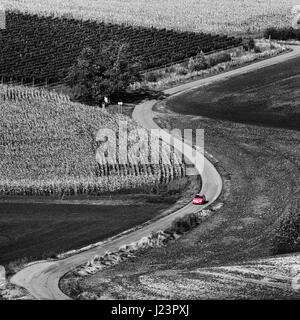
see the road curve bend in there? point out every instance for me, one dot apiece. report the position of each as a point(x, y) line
point(42, 279)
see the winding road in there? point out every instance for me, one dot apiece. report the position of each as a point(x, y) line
point(42, 279)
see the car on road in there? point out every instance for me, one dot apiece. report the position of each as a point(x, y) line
point(199, 199)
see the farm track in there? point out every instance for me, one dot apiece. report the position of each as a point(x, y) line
point(42, 279)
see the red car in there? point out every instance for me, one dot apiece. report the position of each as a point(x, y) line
point(199, 199)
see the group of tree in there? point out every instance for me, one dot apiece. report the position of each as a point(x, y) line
point(105, 71)
point(287, 33)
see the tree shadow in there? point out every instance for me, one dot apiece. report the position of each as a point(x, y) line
point(137, 96)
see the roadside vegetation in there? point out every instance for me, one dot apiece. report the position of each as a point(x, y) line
point(71, 282)
point(202, 65)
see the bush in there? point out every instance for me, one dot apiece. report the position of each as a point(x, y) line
point(191, 64)
point(16, 265)
point(217, 58)
point(151, 77)
point(201, 62)
point(182, 71)
point(257, 49)
point(198, 63)
point(287, 234)
point(155, 76)
point(249, 44)
point(184, 224)
point(171, 69)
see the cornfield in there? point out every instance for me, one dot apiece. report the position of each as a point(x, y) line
point(225, 16)
point(48, 147)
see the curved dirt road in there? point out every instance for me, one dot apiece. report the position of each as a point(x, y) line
point(41, 279)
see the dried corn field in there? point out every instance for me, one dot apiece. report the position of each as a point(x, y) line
point(225, 16)
point(48, 147)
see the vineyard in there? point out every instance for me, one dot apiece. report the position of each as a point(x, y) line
point(48, 146)
point(39, 50)
point(233, 17)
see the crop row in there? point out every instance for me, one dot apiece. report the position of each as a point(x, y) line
point(41, 49)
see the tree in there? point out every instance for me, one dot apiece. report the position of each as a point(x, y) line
point(105, 71)
point(249, 44)
point(198, 62)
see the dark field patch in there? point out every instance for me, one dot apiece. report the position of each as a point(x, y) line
point(41, 49)
point(38, 230)
point(269, 97)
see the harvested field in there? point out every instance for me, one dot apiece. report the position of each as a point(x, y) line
point(267, 97)
point(36, 231)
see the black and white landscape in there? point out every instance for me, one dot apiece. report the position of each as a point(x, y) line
point(150, 151)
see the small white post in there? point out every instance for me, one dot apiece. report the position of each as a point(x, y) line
point(120, 104)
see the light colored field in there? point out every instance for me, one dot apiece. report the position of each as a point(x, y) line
point(262, 279)
point(48, 146)
point(222, 16)
point(272, 278)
